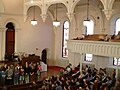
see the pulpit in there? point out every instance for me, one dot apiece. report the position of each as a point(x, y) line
point(29, 59)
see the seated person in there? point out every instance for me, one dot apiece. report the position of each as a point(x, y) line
point(78, 67)
point(68, 69)
point(113, 36)
point(119, 34)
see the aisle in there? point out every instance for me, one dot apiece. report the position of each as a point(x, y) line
point(52, 70)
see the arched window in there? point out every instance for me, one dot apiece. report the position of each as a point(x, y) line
point(117, 29)
point(117, 26)
point(65, 38)
point(89, 27)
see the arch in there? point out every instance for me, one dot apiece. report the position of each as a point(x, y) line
point(10, 25)
point(74, 5)
point(31, 7)
point(15, 23)
point(49, 5)
point(26, 9)
point(112, 23)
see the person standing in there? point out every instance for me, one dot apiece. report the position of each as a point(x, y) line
point(16, 76)
point(27, 70)
point(9, 73)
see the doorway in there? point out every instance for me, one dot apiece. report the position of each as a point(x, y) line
point(10, 41)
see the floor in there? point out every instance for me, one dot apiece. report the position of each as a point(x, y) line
point(52, 70)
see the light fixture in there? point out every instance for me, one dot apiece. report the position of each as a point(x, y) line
point(31, 1)
point(56, 23)
point(87, 20)
point(34, 21)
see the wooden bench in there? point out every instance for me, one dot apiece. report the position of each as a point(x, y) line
point(28, 86)
point(95, 37)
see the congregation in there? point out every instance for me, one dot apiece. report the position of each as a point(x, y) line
point(68, 79)
point(87, 79)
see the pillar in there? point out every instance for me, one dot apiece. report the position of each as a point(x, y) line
point(117, 69)
point(81, 60)
point(3, 34)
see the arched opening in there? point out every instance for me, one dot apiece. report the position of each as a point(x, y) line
point(10, 41)
point(65, 38)
point(44, 56)
point(117, 25)
point(89, 27)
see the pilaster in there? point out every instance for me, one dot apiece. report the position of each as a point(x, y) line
point(2, 41)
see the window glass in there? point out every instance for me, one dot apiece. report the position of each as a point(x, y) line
point(115, 61)
point(65, 38)
point(117, 26)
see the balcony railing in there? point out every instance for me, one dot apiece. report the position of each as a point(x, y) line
point(102, 48)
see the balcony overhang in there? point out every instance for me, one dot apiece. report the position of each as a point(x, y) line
point(101, 48)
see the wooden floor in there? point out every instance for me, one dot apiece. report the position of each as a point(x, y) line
point(52, 70)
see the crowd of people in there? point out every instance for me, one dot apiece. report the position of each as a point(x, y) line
point(87, 79)
point(19, 74)
point(68, 79)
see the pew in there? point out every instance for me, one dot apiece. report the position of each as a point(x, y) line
point(28, 86)
point(94, 37)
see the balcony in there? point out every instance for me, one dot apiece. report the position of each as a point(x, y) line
point(102, 48)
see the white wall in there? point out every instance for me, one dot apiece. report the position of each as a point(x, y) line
point(45, 36)
point(28, 37)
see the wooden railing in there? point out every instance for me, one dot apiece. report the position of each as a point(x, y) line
point(102, 48)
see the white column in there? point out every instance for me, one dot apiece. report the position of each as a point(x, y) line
point(117, 69)
point(81, 60)
point(3, 37)
point(0, 44)
point(16, 39)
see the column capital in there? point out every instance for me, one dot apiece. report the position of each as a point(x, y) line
point(44, 16)
point(70, 16)
point(108, 13)
point(2, 29)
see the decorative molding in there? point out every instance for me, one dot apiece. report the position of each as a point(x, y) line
point(70, 16)
point(108, 13)
point(44, 16)
point(102, 48)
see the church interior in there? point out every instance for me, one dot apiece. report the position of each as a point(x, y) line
point(61, 33)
